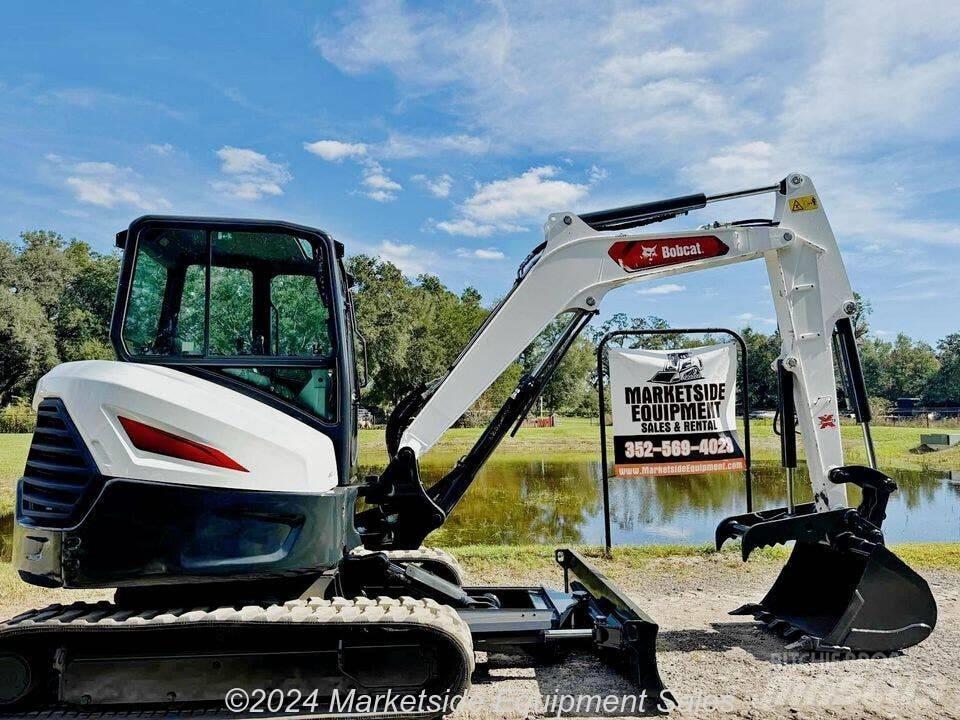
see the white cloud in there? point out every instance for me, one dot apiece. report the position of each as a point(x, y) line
point(750, 318)
point(620, 81)
point(108, 185)
point(899, 79)
point(250, 174)
point(667, 289)
point(377, 184)
point(439, 186)
point(161, 149)
point(866, 105)
point(596, 174)
point(750, 162)
point(467, 227)
point(530, 194)
point(98, 191)
point(627, 68)
point(499, 205)
point(335, 150)
point(90, 98)
point(377, 180)
point(490, 253)
point(409, 258)
point(401, 146)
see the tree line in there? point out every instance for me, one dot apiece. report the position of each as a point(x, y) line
point(56, 299)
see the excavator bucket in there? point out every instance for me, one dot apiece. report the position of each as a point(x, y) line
point(831, 599)
point(841, 589)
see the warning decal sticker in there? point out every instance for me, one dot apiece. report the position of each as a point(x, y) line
point(802, 204)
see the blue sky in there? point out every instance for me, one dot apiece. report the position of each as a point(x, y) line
point(439, 135)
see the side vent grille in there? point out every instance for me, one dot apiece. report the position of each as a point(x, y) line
point(60, 479)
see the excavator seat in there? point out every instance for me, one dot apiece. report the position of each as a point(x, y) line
point(841, 589)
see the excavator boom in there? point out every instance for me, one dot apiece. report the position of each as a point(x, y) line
point(580, 261)
point(871, 601)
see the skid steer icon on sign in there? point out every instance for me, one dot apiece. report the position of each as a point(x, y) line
point(680, 367)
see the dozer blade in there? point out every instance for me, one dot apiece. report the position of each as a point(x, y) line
point(831, 598)
point(624, 634)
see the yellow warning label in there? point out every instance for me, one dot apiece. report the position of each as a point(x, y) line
point(807, 202)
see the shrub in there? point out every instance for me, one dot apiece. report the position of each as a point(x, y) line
point(880, 408)
point(17, 417)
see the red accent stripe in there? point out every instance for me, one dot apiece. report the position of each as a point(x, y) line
point(634, 255)
point(155, 440)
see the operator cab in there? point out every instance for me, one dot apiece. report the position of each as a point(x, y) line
point(260, 307)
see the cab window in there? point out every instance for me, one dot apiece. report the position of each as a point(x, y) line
point(214, 298)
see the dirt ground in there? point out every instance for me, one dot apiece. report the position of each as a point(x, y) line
point(719, 665)
point(715, 664)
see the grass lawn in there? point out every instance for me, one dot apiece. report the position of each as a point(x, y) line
point(524, 557)
point(897, 447)
point(13, 454)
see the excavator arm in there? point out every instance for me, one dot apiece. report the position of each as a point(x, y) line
point(582, 259)
point(841, 589)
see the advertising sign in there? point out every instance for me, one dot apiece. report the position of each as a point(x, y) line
point(674, 411)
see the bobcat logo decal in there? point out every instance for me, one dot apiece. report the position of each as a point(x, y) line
point(680, 367)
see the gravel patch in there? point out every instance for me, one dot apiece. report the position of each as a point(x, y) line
point(718, 665)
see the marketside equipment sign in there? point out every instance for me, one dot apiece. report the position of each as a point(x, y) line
point(674, 411)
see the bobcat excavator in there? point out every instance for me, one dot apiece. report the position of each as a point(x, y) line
point(208, 476)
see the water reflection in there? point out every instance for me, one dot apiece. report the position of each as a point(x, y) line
point(539, 501)
point(542, 501)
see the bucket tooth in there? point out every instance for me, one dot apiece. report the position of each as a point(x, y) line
point(792, 633)
point(747, 609)
point(778, 625)
point(806, 643)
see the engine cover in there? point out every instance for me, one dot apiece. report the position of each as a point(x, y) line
point(94, 510)
point(279, 453)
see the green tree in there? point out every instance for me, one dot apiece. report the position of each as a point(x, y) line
point(621, 321)
point(762, 352)
point(901, 368)
point(27, 344)
point(57, 300)
point(573, 376)
point(943, 386)
point(875, 358)
point(385, 315)
point(83, 321)
point(861, 323)
point(43, 270)
point(414, 329)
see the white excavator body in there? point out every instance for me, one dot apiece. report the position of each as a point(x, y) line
point(210, 475)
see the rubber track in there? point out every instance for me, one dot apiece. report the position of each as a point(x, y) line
point(419, 555)
point(81, 616)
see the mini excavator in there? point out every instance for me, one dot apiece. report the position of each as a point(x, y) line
point(208, 476)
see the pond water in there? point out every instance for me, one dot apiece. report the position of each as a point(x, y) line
point(543, 501)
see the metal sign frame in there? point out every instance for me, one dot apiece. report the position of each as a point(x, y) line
point(744, 382)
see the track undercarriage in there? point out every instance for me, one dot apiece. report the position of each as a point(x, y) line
point(403, 645)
